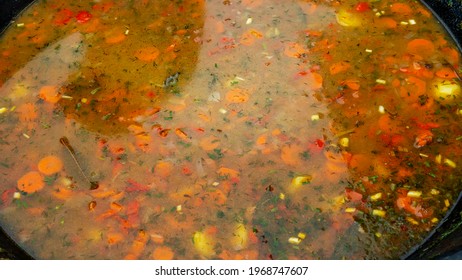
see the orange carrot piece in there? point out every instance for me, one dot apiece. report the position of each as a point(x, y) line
point(231, 173)
point(218, 197)
point(147, 54)
point(401, 8)
point(27, 112)
point(352, 84)
point(295, 50)
point(339, 67)
point(163, 169)
point(420, 85)
point(163, 253)
point(249, 37)
point(35, 211)
point(62, 193)
point(446, 73)
point(451, 55)
point(31, 182)
point(261, 140)
point(387, 22)
point(50, 94)
point(50, 165)
point(237, 95)
point(421, 47)
point(117, 38)
point(114, 238)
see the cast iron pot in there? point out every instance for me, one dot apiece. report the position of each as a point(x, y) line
point(445, 241)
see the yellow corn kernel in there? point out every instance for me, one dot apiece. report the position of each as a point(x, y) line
point(450, 163)
point(350, 210)
point(376, 196)
point(414, 194)
point(301, 235)
point(412, 221)
point(379, 213)
point(295, 240)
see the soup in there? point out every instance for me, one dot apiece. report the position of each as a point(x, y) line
point(227, 129)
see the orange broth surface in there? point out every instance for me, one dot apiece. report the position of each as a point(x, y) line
point(252, 129)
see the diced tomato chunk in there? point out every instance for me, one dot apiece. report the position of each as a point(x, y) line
point(362, 7)
point(83, 16)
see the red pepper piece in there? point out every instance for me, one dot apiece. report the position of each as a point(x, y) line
point(83, 16)
point(362, 7)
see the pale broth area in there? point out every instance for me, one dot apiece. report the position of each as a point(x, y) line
point(227, 129)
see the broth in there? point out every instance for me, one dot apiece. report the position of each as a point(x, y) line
point(227, 129)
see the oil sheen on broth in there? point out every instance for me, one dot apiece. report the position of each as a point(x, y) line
point(244, 129)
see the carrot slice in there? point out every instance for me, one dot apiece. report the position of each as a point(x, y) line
point(163, 253)
point(339, 67)
point(31, 182)
point(50, 165)
point(237, 95)
point(50, 94)
point(422, 47)
point(294, 50)
point(163, 169)
point(446, 73)
point(147, 54)
point(27, 112)
point(401, 8)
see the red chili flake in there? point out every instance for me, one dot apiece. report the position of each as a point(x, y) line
point(83, 16)
point(151, 94)
point(362, 7)
point(186, 170)
point(319, 143)
point(63, 17)
point(7, 197)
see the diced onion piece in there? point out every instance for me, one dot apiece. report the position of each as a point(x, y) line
point(315, 117)
point(381, 109)
point(17, 195)
point(348, 19)
point(414, 194)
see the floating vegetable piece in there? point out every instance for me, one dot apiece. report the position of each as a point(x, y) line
point(65, 142)
point(204, 244)
point(348, 19)
point(446, 90)
point(50, 165)
point(31, 182)
point(301, 180)
point(240, 237)
point(163, 253)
